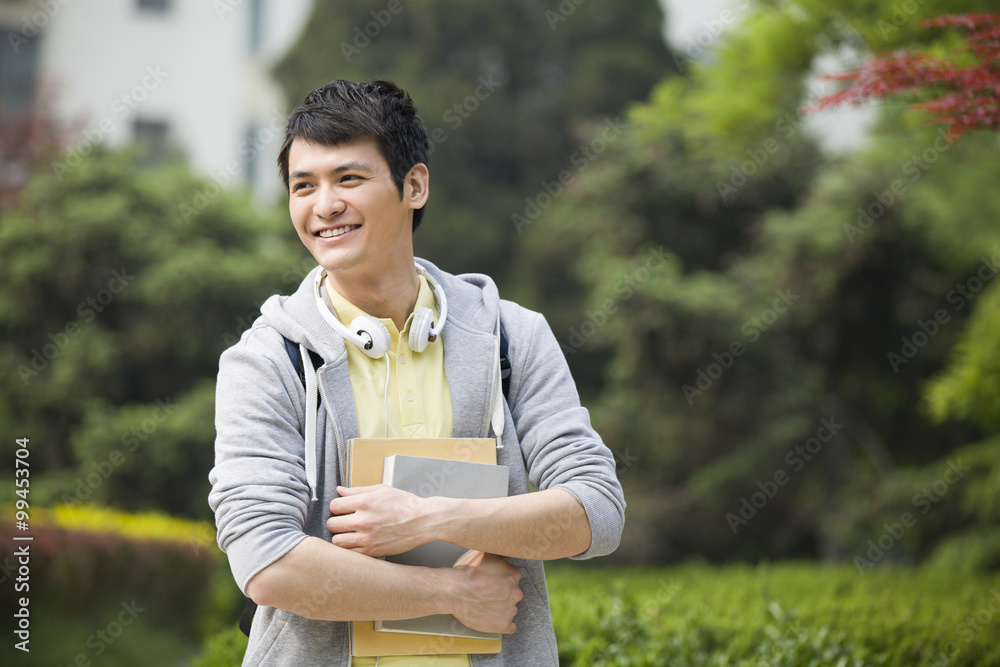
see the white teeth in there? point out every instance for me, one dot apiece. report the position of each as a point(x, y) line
point(327, 233)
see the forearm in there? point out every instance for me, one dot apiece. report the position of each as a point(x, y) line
point(323, 582)
point(540, 526)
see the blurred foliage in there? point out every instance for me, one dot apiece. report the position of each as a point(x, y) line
point(970, 386)
point(794, 287)
point(505, 90)
point(226, 649)
point(117, 302)
point(161, 579)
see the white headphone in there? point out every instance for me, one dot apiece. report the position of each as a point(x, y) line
point(371, 336)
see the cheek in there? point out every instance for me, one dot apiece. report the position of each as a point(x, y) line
point(296, 213)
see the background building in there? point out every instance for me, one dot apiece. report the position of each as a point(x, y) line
point(187, 75)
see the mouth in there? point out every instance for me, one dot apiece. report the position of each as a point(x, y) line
point(334, 232)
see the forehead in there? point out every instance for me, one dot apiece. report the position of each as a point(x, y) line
point(307, 156)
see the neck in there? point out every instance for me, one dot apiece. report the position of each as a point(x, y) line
point(390, 295)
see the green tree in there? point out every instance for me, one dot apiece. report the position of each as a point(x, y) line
point(802, 297)
point(122, 285)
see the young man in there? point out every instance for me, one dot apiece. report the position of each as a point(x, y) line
point(306, 548)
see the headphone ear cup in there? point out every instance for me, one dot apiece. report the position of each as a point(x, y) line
point(420, 329)
point(377, 334)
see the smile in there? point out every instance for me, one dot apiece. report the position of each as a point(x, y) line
point(337, 231)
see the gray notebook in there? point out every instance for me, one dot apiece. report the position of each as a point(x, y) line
point(426, 477)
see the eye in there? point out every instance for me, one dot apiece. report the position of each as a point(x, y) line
point(298, 186)
point(347, 178)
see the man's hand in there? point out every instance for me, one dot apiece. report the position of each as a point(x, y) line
point(487, 600)
point(378, 520)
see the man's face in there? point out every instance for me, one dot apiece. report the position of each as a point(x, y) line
point(347, 210)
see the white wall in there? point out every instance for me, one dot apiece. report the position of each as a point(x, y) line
point(190, 66)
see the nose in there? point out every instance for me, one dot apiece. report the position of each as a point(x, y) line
point(329, 203)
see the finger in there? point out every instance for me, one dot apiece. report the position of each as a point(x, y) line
point(341, 524)
point(470, 557)
point(341, 507)
point(345, 541)
point(355, 490)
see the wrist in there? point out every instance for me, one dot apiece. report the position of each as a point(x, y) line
point(448, 589)
point(439, 515)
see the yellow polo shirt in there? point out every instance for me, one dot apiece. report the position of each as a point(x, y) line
point(419, 407)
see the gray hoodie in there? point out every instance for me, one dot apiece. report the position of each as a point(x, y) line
point(265, 474)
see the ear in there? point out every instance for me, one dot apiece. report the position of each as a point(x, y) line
point(416, 186)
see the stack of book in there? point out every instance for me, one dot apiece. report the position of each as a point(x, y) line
point(449, 467)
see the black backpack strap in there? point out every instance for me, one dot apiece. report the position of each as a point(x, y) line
point(246, 618)
point(293, 355)
point(504, 367)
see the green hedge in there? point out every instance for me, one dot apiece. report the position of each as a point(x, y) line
point(788, 615)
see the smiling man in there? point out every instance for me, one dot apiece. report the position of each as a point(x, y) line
point(420, 358)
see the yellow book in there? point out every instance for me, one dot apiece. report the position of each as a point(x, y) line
point(365, 460)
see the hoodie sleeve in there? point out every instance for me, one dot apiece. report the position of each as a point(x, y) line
point(259, 492)
point(561, 449)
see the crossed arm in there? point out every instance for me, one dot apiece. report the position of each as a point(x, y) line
point(340, 580)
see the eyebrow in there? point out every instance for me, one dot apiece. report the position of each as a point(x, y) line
point(348, 166)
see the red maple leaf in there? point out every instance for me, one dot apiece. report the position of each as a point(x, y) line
point(965, 97)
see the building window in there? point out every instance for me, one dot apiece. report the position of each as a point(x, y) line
point(161, 6)
point(18, 71)
point(152, 137)
point(256, 25)
point(252, 145)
